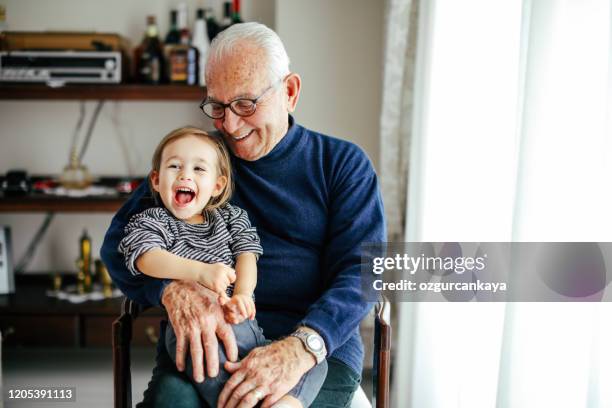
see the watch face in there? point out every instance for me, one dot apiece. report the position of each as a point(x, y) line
point(315, 343)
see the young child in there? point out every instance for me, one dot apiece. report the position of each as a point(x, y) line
point(195, 234)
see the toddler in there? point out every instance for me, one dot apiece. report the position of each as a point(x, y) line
point(195, 234)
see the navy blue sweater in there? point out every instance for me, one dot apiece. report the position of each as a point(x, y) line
point(314, 200)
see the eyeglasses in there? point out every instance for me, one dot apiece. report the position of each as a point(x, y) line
point(241, 106)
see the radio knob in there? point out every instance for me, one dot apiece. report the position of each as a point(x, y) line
point(109, 64)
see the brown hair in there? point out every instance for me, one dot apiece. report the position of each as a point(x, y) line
point(224, 167)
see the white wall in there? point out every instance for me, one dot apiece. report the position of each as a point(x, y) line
point(334, 45)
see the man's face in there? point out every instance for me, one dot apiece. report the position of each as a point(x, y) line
point(244, 74)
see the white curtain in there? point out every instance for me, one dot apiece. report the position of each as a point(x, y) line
point(396, 115)
point(511, 141)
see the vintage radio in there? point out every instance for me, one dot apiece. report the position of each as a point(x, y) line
point(61, 67)
point(64, 40)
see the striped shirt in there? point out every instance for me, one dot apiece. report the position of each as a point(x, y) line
point(225, 233)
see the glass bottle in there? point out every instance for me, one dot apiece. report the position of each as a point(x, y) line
point(183, 28)
point(183, 59)
point(150, 61)
point(212, 25)
point(174, 35)
point(3, 28)
point(227, 16)
point(236, 18)
point(201, 42)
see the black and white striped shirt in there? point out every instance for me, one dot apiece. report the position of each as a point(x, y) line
point(226, 233)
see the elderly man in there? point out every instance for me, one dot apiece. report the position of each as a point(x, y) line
point(314, 200)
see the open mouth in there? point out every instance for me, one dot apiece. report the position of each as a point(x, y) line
point(183, 195)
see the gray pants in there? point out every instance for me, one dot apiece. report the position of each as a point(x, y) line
point(248, 336)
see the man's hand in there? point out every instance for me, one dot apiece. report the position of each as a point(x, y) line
point(268, 372)
point(198, 319)
point(216, 277)
point(239, 308)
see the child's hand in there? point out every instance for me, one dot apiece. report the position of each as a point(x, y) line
point(216, 277)
point(239, 308)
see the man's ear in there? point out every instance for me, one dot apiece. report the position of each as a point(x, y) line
point(154, 176)
point(219, 186)
point(293, 87)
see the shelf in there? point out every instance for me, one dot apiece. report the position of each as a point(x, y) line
point(60, 204)
point(107, 92)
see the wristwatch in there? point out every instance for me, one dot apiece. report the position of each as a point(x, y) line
point(313, 343)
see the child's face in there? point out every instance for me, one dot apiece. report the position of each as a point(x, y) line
point(188, 177)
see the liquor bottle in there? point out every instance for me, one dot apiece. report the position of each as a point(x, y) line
point(201, 42)
point(150, 61)
point(212, 24)
point(184, 65)
point(3, 27)
point(174, 35)
point(236, 18)
point(227, 16)
point(182, 23)
point(173, 38)
point(183, 59)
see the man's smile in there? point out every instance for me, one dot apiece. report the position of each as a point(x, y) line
point(239, 138)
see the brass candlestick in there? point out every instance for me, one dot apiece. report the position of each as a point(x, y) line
point(84, 264)
point(104, 276)
point(57, 282)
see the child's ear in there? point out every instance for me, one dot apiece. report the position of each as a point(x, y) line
point(219, 186)
point(154, 176)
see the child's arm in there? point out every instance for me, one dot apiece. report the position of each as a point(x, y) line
point(159, 263)
point(241, 305)
point(246, 274)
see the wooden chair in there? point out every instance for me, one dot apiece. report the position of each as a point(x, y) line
point(122, 336)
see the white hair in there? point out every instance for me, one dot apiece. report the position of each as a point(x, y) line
point(259, 35)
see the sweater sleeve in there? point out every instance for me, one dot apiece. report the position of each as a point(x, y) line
point(356, 216)
point(140, 288)
point(243, 235)
point(145, 231)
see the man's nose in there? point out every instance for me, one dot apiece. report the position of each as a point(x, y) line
point(231, 121)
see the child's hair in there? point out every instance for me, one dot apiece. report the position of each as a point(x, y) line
point(224, 167)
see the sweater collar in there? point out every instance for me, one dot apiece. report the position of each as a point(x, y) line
point(288, 144)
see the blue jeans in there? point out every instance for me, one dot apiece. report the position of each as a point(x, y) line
point(171, 388)
point(248, 336)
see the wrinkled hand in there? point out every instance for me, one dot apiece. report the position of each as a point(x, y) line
point(239, 308)
point(270, 371)
point(216, 277)
point(198, 320)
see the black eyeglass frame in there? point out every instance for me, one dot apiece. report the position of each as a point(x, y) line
point(231, 103)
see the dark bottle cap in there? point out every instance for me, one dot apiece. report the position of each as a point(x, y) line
point(173, 17)
point(200, 14)
point(227, 8)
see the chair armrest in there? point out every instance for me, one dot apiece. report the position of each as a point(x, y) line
point(382, 354)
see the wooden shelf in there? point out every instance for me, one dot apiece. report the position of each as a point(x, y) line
point(60, 204)
point(118, 92)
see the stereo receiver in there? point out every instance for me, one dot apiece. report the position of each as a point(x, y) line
point(61, 67)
